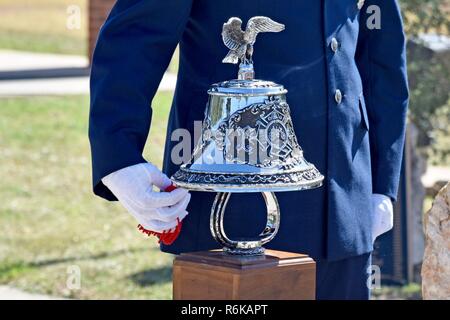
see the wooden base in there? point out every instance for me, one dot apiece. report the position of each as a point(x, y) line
point(213, 275)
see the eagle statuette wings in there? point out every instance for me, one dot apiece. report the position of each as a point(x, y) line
point(241, 42)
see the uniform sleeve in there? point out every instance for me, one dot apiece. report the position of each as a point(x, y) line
point(381, 59)
point(133, 50)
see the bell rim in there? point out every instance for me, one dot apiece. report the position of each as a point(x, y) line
point(306, 180)
point(250, 188)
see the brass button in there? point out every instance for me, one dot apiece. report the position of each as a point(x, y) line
point(334, 45)
point(338, 96)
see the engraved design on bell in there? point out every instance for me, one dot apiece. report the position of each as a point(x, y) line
point(265, 128)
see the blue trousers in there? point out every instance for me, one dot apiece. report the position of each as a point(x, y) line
point(345, 279)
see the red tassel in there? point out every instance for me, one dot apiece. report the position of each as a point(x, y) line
point(166, 237)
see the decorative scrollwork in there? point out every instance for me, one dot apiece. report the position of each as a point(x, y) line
point(264, 127)
point(298, 177)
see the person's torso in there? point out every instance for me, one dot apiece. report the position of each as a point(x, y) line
point(331, 133)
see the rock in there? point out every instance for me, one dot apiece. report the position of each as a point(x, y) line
point(433, 190)
point(436, 262)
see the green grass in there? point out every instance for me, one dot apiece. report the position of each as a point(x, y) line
point(411, 291)
point(50, 219)
point(40, 25)
point(22, 41)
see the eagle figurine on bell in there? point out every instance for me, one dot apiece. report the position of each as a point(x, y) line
point(248, 143)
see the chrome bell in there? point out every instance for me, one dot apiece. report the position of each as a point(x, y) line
point(248, 143)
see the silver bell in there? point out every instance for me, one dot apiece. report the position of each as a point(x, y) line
point(248, 143)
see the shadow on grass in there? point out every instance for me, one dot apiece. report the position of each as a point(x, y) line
point(153, 276)
point(101, 255)
point(14, 269)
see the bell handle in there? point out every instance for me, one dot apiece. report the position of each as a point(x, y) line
point(250, 246)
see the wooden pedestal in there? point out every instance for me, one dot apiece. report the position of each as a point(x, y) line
point(213, 275)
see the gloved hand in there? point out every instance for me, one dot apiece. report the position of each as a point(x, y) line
point(383, 215)
point(156, 211)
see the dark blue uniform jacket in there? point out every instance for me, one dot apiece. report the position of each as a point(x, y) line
point(364, 132)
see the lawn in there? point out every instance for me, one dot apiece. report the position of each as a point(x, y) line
point(40, 25)
point(50, 220)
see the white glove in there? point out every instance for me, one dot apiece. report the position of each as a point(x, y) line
point(156, 211)
point(383, 215)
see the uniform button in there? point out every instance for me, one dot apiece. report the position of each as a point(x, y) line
point(338, 96)
point(360, 4)
point(334, 45)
